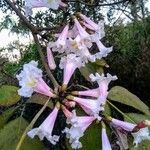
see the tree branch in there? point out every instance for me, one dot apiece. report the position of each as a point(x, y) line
point(99, 4)
point(21, 16)
point(34, 31)
point(56, 85)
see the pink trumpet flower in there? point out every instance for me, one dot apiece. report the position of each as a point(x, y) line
point(87, 25)
point(139, 131)
point(89, 21)
point(83, 34)
point(105, 141)
point(42, 88)
point(104, 51)
point(46, 128)
point(51, 61)
point(124, 125)
point(69, 64)
point(53, 4)
point(90, 92)
point(66, 112)
point(69, 104)
point(91, 107)
point(61, 42)
point(77, 130)
point(142, 134)
point(30, 80)
point(103, 83)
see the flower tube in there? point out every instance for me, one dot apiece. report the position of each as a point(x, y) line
point(46, 128)
point(124, 125)
point(89, 21)
point(105, 141)
point(61, 42)
point(69, 64)
point(83, 34)
point(103, 83)
point(91, 107)
point(90, 92)
point(66, 112)
point(104, 51)
point(51, 61)
point(30, 80)
point(77, 130)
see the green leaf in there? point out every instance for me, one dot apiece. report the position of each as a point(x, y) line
point(137, 117)
point(122, 95)
point(5, 116)
point(11, 134)
point(40, 99)
point(8, 95)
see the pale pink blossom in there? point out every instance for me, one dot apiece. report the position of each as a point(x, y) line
point(42, 88)
point(99, 33)
point(46, 128)
point(66, 112)
point(53, 4)
point(69, 104)
point(83, 34)
point(61, 42)
point(51, 61)
point(80, 48)
point(69, 63)
point(87, 25)
point(124, 125)
point(30, 80)
point(103, 83)
point(90, 92)
point(89, 21)
point(142, 134)
point(77, 130)
point(90, 106)
point(104, 51)
point(105, 141)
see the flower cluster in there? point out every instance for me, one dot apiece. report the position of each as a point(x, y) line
point(74, 43)
point(53, 4)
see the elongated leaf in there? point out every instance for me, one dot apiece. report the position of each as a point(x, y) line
point(137, 117)
point(40, 99)
point(8, 95)
point(5, 116)
point(122, 95)
point(11, 134)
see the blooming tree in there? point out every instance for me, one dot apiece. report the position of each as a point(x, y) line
point(75, 46)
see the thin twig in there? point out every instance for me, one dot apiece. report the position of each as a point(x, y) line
point(55, 83)
point(120, 111)
point(34, 31)
point(31, 125)
point(99, 4)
